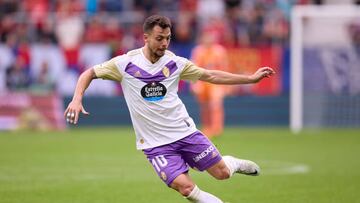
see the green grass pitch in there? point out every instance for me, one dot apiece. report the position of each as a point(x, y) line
point(101, 165)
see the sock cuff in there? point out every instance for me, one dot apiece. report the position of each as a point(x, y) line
point(194, 193)
point(227, 160)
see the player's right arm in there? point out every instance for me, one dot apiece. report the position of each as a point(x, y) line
point(75, 106)
point(107, 70)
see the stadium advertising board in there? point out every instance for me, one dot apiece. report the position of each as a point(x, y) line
point(248, 60)
point(26, 111)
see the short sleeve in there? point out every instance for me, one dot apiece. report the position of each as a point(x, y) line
point(191, 72)
point(108, 71)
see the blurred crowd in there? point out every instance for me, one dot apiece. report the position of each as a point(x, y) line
point(46, 44)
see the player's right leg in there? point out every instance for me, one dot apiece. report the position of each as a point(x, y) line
point(182, 182)
point(170, 166)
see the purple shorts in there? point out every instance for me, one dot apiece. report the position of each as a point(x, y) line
point(171, 160)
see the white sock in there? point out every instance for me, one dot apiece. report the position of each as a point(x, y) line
point(198, 196)
point(230, 163)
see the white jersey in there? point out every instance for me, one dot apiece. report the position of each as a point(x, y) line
point(150, 89)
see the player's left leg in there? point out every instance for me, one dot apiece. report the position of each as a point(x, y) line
point(201, 154)
point(219, 171)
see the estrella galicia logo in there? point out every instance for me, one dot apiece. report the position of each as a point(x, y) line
point(153, 91)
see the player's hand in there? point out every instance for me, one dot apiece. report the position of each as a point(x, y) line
point(264, 72)
point(72, 112)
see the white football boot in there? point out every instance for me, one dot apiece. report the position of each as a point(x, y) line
point(241, 166)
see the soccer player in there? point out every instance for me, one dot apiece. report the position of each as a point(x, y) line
point(164, 131)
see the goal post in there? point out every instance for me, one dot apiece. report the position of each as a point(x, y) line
point(325, 67)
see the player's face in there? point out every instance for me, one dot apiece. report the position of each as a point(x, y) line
point(158, 40)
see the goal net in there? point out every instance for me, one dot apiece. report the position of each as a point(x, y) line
point(325, 67)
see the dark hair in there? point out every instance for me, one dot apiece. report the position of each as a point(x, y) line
point(152, 21)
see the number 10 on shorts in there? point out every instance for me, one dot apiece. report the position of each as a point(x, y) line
point(159, 162)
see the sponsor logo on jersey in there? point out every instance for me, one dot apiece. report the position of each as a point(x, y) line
point(203, 154)
point(153, 91)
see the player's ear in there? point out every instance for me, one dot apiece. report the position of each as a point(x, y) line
point(146, 37)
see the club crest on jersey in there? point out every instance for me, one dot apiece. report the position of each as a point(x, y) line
point(166, 71)
point(163, 175)
point(154, 91)
point(137, 74)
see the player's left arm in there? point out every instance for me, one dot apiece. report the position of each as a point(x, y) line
point(226, 78)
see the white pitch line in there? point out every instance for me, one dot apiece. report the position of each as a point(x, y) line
point(283, 168)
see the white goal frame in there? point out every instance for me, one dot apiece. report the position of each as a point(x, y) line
point(296, 47)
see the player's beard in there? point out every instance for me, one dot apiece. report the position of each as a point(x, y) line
point(156, 53)
point(159, 53)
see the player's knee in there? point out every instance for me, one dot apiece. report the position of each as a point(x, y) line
point(220, 171)
point(186, 189)
point(183, 184)
point(223, 174)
